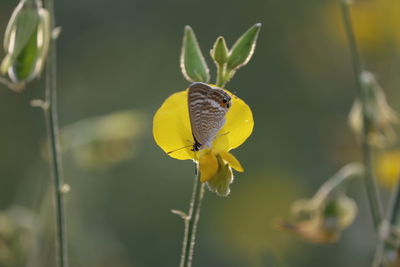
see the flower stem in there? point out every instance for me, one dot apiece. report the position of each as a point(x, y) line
point(191, 221)
point(51, 117)
point(220, 75)
point(393, 220)
point(394, 208)
point(358, 67)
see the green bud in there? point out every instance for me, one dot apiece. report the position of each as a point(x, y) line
point(219, 184)
point(193, 64)
point(220, 51)
point(26, 42)
point(243, 49)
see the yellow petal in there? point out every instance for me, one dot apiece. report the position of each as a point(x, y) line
point(171, 127)
point(232, 161)
point(208, 165)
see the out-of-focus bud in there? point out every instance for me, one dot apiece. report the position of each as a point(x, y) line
point(322, 218)
point(372, 117)
point(26, 41)
point(17, 235)
point(193, 65)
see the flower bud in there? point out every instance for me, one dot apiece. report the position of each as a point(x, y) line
point(26, 41)
point(220, 51)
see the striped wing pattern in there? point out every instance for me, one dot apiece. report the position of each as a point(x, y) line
point(207, 109)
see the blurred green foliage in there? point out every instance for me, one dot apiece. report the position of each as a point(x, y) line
point(125, 55)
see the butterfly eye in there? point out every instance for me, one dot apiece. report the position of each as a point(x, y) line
point(225, 100)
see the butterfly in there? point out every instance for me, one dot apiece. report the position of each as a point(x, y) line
point(207, 109)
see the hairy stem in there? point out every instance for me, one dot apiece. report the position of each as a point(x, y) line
point(191, 221)
point(54, 145)
point(370, 181)
point(220, 75)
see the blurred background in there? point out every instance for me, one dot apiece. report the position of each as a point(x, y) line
point(119, 60)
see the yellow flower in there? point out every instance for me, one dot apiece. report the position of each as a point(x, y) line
point(387, 167)
point(172, 131)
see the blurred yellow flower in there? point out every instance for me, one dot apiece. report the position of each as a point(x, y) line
point(172, 132)
point(375, 23)
point(387, 167)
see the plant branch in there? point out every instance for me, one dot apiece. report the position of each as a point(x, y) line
point(358, 66)
point(393, 220)
point(54, 144)
point(221, 75)
point(191, 221)
point(13, 86)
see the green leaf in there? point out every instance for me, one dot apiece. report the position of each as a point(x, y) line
point(193, 64)
point(220, 51)
point(243, 49)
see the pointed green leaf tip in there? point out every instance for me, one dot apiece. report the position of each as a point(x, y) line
point(193, 65)
point(243, 49)
point(220, 51)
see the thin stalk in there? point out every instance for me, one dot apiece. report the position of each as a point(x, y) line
point(191, 221)
point(221, 75)
point(15, 87)
point(393, 219)
point(51, 117)
point(394, 208)
point(358, 67)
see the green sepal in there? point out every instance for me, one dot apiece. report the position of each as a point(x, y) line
point(23, 23)
point(26, 53)
point(220, 183)
point(193, 65)
point(23, 66)
point(219, 52)
point(243, 49)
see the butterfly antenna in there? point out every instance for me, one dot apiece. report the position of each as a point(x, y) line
point(172, 151)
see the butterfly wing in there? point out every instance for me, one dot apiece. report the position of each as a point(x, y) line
point(207, 108)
